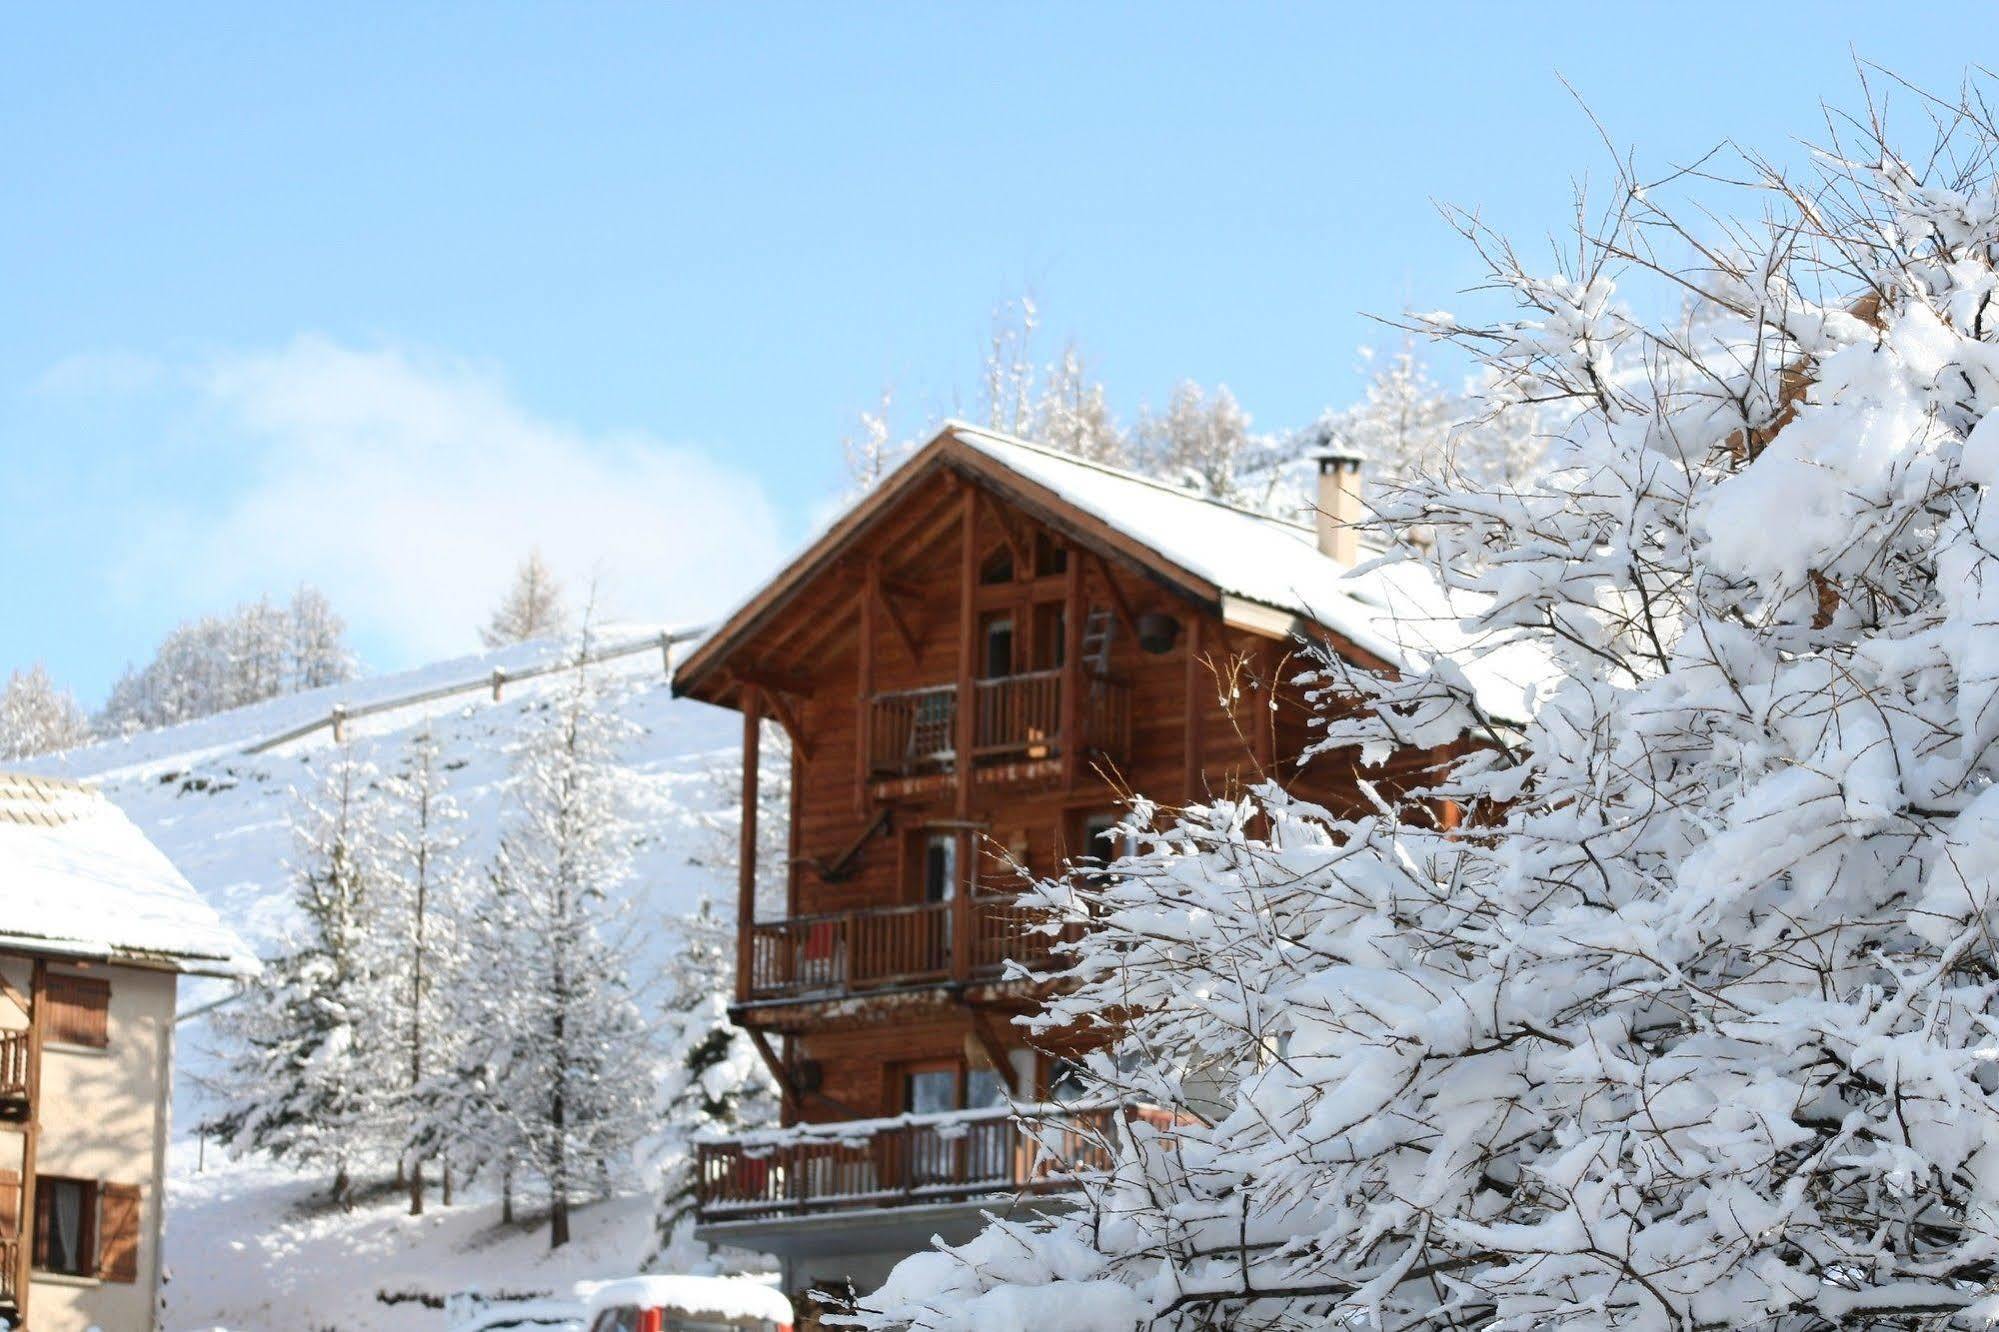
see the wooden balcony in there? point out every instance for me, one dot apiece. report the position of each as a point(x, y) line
point(900, 1162)
point(914, 732)
point(876, 948)
point(13, 1074)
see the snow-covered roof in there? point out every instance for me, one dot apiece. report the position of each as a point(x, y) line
point(1264, 573)
point(78, 878)
point(714, 1296)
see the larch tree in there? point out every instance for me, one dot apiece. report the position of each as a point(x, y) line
point(1203, 442)
point(419, 924)
point(534, 607)
point(1691, 1024)
point(38, 717)
point(570, 1054)
point(306, 1077)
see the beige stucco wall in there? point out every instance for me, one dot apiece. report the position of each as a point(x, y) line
point(104, 1117)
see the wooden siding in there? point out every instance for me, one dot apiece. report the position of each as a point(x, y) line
point(891, 621)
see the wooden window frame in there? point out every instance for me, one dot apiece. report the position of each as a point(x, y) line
point(87, 1225)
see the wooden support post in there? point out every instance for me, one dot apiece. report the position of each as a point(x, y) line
point(1200, 691)
point(1073, 612)
point(339, 723)
point(967, 738)
point(864, 730)
point(31, 1135)
point(499, 681)
point(746, 851)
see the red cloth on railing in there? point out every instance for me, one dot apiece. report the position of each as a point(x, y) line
point(820, 940)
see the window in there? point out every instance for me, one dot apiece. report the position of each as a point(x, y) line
point(1050, 556)
point(617, 1318)
point(81, 1227)
point(1051, 636)
point(79, 1008)
point(999, 647)
point(65, 1226)
point(1065, 1081)
point(940, 867)
point(930, 1090)
point(983, 1089)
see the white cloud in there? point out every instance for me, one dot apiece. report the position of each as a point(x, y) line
point(409, 486)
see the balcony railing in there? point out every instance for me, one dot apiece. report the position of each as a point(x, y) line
point(901, 1162)
point(13, 1070)
point(847, 952)
point(1016, 717)
point(10, 1264)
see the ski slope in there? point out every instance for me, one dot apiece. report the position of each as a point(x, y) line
point(248, 1246)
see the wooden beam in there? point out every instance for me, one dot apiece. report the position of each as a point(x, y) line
point(785, 1086)
point(13, 996)
point(746, 847)
point(31, 1135)
point(780, 707)
point(1200, 689)
point(1023, 550)
point(994, 1051)
point(864, 696)
point(1118, 601)
point(771, 678)
point(1073, 613)
point(902, 627)
point(961, 761)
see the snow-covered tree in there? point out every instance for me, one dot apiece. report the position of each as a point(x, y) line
point(418, 927)
point(1691, 1025)
point(715, 1081)
point(255, 652)
point(568, 1056)
point(534, 607)
point(308, 1078)
point(1073, 414)
point(38, 717)
point(318, 652)
point(719, 821)
point(873, 451)
point(1203, 441)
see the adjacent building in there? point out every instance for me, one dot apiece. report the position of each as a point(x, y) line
point(973, 665)
point(96, 928)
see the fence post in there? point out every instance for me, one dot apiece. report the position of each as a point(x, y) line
point(499, 679)
point(666, 653)
point(339, 720)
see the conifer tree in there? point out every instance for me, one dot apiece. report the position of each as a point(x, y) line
point(568, 1059)
point(420, 929)
point(305, 1079)
point(534, 607)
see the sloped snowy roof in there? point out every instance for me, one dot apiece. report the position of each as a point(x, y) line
point(1265, 573)
point(78, 878)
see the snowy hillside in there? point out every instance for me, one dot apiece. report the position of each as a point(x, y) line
point(247, 1244)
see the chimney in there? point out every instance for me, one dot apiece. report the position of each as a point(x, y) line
point(1339, 501)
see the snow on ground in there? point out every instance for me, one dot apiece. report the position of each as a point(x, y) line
point(254, 1246)
point(247, 1245)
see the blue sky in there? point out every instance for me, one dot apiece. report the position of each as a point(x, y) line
point(381, 295)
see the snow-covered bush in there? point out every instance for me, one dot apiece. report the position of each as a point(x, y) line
point(1692, 1025)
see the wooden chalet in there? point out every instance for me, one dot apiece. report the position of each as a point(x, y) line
point(972, 665)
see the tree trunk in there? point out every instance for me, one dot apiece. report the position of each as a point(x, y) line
point(444, 1186)
point(507, 1196)
point(416, 1188)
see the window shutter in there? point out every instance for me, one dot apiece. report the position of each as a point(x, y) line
point(118, 1232)
point(79, 1009)
point(10, 1203)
